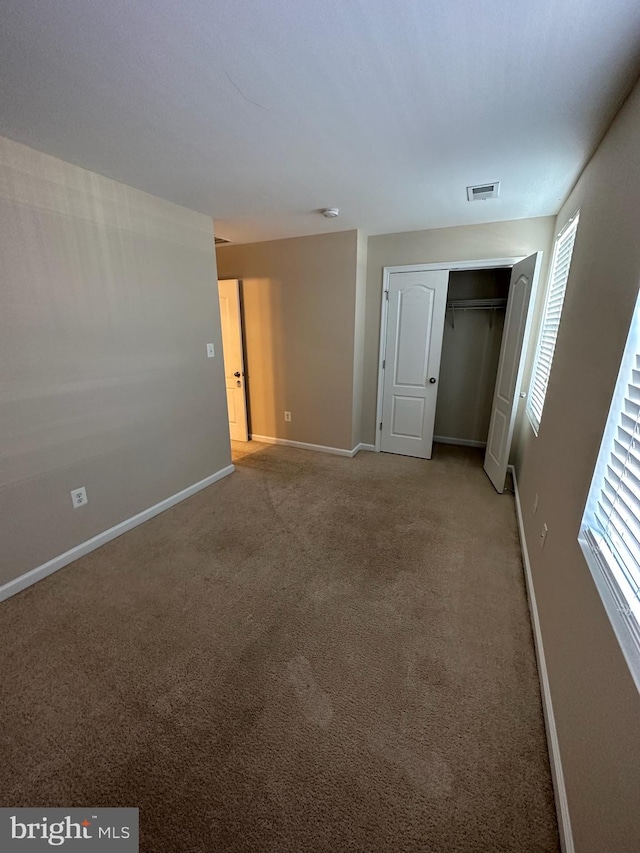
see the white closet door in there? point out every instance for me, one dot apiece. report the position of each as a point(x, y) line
point(524, 277)
point(415, 326)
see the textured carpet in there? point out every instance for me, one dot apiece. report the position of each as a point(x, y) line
point(314, 654)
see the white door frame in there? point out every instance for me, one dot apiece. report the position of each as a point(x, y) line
point(451, 266)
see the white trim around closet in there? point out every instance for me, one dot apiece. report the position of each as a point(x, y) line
point(452, 266)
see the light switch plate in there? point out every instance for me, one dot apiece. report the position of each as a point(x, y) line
point(210, 351)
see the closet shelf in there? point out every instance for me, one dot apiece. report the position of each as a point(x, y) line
point(454, 305)
point(476, 304)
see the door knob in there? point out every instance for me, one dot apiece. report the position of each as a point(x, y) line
point(237, 374)
point(432, 380)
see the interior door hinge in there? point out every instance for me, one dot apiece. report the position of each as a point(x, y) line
point(387, 295)
point(384, 361)
point(380, 424)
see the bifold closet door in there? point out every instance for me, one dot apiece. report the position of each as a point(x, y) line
point(517, 324)
point(413, 345)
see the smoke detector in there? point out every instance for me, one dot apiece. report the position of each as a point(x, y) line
point(330, 212)
point(483, 191)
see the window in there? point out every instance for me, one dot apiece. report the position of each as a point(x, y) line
point(610, 535)
point(558, 276)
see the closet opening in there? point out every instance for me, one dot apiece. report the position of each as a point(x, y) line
point(474, 323)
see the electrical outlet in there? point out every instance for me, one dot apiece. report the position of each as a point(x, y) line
point(210, 351)
point(535, 504)
point(79, 497)
point(287, 416)
point(543, 535)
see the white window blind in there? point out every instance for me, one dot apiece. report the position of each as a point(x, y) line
point(611, 524)
point(558, 276)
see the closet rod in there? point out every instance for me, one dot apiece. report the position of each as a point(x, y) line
point(474, 305)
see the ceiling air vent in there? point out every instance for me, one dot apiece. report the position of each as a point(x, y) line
point(220, 241)
point(483, 191)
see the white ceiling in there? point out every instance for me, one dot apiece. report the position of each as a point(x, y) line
point(259, 112)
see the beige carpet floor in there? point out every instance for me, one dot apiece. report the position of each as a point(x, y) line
point(315, 654)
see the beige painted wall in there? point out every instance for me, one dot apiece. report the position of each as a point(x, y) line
point(108, 298)
point(597, 706)
point(358, 342)
point(300, 328)
point(465, 243)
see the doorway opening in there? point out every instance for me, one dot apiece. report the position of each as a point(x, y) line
point(233, 346)
point(474, 321)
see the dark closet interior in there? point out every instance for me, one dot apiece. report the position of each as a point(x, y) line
point(474, 322)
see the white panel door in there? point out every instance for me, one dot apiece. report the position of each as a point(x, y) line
point(415, 326)
point(231, 322)
point(517, 324)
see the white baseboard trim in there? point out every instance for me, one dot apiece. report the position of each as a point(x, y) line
point(562, 806)
point(368, 447)
point(34, 575)
point(303, 445)
point(464, 442)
